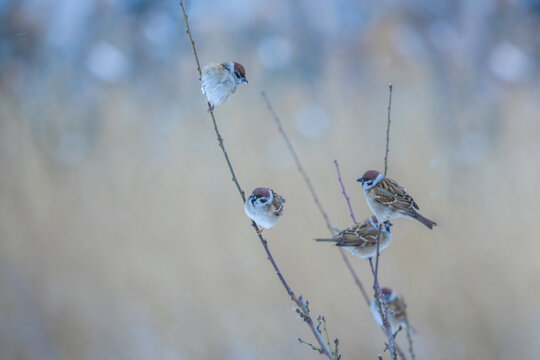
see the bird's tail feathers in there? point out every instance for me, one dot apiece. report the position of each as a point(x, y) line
point(327, 240)
point(424, 220)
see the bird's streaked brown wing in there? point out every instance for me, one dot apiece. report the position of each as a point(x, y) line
point(398, 309)
point(277, 203)
point(390, 194)
point(361, 235)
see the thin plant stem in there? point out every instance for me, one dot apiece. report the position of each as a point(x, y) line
point(400, 352)
point(314, 195)
point(298, 163)
point(377, 290)
point(378, 251)
point(388, 122)
point(325, 331)
point(351, 212)
point(390, 87)
point(382, 306)
point(387, 150)
point(408, 332)
point(299, 301)
point(216, 129)
point(381, 303)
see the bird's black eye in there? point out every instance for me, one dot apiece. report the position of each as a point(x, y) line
point(237, 74)
point(369, 182)
point(263, 201)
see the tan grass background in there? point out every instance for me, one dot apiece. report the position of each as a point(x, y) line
point(122, 236)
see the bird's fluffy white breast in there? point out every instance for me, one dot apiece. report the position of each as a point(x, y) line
point(262, 217)
point(366, 253)
point(375, 312)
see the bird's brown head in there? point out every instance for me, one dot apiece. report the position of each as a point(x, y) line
point(261, 196)
point(371, 175)
point(239, 73)
point(388, 294)
point(370, 179)
point(261, 192)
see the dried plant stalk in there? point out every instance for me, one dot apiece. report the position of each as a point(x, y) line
point(303, 309)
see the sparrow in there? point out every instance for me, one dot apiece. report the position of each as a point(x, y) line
point(361, 239)
point(388, 200)
point(264, 206)
point(396, 310)
point(219, 81)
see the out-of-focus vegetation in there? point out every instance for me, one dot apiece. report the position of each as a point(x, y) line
point(122, 236)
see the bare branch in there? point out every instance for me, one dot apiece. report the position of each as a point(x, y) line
point(388, 130)
point(314, 194)
point(300, 302)
point(344, 192)
point(298, 163)
point(381, 302)
point(381, 311)
point(313, 347)
point(408, 331)
point(216, 129)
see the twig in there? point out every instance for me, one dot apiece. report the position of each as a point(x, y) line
point(298, 163)
point(377, 289)
point(387, 150)
point(382, 306)
point(325, 331)
point(388, 122)
point(408, 332)
point(218, 134)
point(314, 195)
point(336, 350)
point(394, 335)
point(378, 251)
point(304, 313)
point(400, 352)
point(388, 130)
point(381, 302)
point(313, 347)
point(345, 193)
point(300, 302)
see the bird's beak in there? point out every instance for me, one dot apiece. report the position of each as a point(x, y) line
point(244, 80)
point(361, 180)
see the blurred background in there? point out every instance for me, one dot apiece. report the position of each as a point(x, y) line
point(123, 237)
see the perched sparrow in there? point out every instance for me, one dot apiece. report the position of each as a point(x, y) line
point(396, 310)
point(264, 207)
point(388, 200)
point(219, 81)
point(361, 240)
